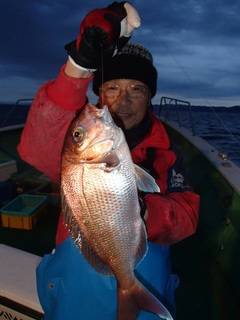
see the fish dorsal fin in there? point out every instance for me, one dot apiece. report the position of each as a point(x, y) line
point(145, 182)
point(80, 240)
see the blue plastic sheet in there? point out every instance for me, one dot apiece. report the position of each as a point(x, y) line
point(69, 288)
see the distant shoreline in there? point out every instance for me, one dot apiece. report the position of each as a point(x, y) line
point(197, 108)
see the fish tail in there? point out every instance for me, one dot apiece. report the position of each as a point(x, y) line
point(132, 301)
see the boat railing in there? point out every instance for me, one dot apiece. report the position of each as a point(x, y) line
point(201, 122)
point(169, 105)
point(13, 117)
point(24, 101)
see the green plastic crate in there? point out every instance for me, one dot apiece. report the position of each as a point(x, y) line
point(24, 211)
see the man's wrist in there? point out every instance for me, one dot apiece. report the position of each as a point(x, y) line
point(76, 71)
point(80, 67)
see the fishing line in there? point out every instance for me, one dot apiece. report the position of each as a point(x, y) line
point(225, 127)
point(102, 75)
point(220, 120)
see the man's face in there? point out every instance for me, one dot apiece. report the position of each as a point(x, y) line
point(127, 100)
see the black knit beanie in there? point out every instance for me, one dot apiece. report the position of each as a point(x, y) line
point(132, 62)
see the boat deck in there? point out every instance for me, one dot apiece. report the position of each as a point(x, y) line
point(208, 263)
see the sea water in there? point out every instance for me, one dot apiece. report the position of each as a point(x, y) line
point(220, 126)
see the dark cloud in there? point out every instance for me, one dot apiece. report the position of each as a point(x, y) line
point(194, 43)
point(206, 18)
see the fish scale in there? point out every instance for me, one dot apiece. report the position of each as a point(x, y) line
point(117, 205)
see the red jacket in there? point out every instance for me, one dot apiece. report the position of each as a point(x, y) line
point(171, 216)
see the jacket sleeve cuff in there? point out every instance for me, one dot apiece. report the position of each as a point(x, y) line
point(68, 92)
point(171, 218)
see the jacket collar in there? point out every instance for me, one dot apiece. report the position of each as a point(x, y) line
point(156, 137)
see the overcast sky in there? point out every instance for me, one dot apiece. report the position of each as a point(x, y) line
point(195, 45)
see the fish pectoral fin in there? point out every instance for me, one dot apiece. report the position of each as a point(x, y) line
point(145, 182)
point(131, 301)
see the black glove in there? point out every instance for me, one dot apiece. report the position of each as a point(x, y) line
point(99, 36)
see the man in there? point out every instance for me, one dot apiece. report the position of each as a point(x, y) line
point(125, 79)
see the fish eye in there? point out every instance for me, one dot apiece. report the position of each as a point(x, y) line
point(78, 134)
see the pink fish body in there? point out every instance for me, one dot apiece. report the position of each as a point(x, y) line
point(100, 202)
